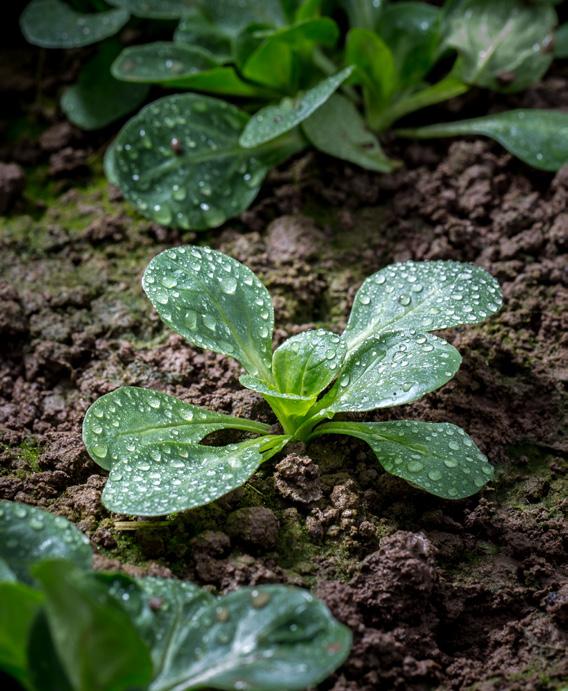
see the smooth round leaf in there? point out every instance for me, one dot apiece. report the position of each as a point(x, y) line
point(215, 302)
point(439, 458)
point(391, 370)
point(537, 137)
point(179, 162)
point(53, 24)
point(156, 9)
point(424, 296)
point(125, 420)
point(338, 129)
point(305, 364)
point(28, 534)
point(177, 476)
point(98, 99)
point(274, 120)
point(271, 637)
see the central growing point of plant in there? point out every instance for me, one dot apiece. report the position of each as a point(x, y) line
point(151, 442)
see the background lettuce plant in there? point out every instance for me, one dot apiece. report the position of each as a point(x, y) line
point(64, 627)
point(334, 74)
point(151, 443)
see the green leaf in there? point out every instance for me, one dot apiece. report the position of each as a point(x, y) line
point(391, 370)
point(53, 24)
point(156, 9)
point(412, 32)
point(376, 70)
point(19, 605)
point(505, 45)
point(305, 364)
point(178, 66)
point(232, 17)
point(98, 99)
point(28, 534)
point(45, 668)
point(274, 120)
point(178, 476)
point(109, 164)
point(215, 302)
point(561, 42)
point(6, 573)
point(537, 137)
point(338, 129)
point(95, 640)
point(287, 404)
point(198, 32)
point(437, 457)
point(179, 161)
point(424, 296)
point(271, 637)
point(363, 14)
point(131, 418)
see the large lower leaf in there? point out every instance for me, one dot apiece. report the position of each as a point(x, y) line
point(421, 295)
point(537, 137)
point(156, 9)
point(505, 45)
point(274, 120)
point(338, 129)
point(95, 639)
point(214, 302)
point(271, 637)
point(437, 457)
point(130, 418)
point(179, 161)
point(178, 476)
point(53, 24)
point(28, 534)
point(98, 99)
point(391, 370)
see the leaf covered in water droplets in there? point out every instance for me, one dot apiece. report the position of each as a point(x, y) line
point(156, 9)
point(437, 457)
point(271, 637)
point(305, 364)
point(130, 419)
point(286, 403)
point(198, 31)
point(215, 302)
point(424, 296)
point(179, 161)
point(154, 481)
point(537, 137)
point(274, 120)
point(53, 24)
point(393, 369)
point(28, 534)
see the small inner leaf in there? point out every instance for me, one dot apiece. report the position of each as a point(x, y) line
point(53, 24)
point(28, 534)
point(305, 364)
point(130, 418)
point(272, 121)
point(437, 457)
point(391, 370)
point(197, 31)
point(424, 296)
point(214, 302)
point(287, 404)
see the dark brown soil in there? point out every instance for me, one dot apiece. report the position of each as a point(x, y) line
point(449, 595)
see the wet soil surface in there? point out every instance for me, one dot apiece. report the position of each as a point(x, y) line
point(449, 595)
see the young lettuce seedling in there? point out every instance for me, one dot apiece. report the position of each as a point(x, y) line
point(146, 633)
point(151, 442)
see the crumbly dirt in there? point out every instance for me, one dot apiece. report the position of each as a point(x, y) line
point(450, 595)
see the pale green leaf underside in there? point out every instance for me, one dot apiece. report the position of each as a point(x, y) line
point(391, 370)
point(424, 296)
point(129, 419)
point(337, 129)
point(503, 45)
point(28, 534)
point(215, 302)
point(274, 120)
point(262, 638)
point(537, 137)
point(53, 24)
point(437, 457)
point(178, 476)
point(179, 162)
point(156, 9)
point(305, 364)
